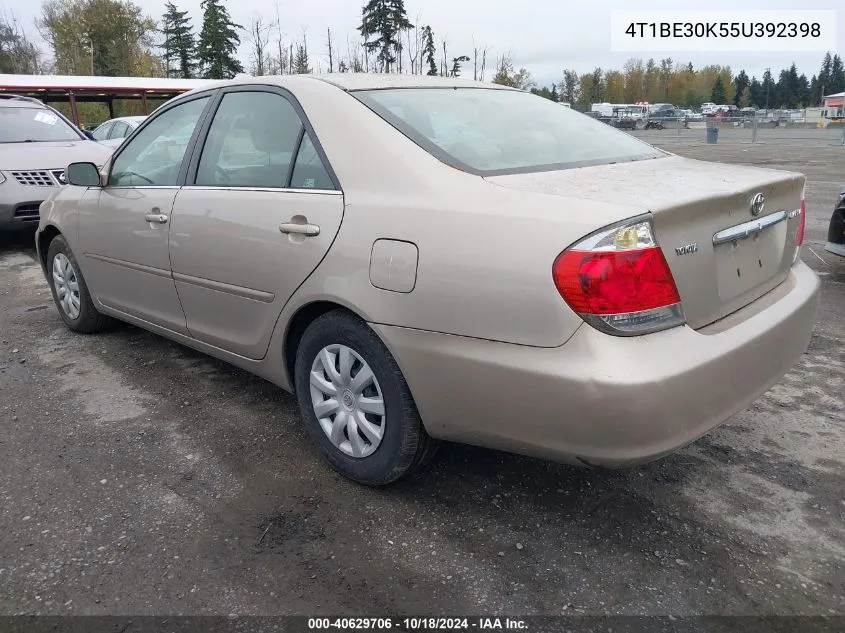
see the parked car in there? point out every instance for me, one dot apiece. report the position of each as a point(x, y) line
point(836, 230)
point(423, 259)
point(665, 117)
point(113, 131)
point(36, 144)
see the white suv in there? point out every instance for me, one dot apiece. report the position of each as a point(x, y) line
point(36, 144)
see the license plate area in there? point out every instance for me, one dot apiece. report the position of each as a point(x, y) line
point(749, 261)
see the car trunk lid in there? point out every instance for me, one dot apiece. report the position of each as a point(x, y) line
point(722, 255)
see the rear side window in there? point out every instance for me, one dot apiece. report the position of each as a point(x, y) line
point(102, 132)
point(489, 131)
point(251, 142)
point(119, 130)
point(309, 171)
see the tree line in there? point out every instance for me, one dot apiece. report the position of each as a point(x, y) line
point(669, 82)
point(115, 38)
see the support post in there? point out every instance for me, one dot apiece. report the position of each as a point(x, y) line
point(144, 103)
point(74, 113)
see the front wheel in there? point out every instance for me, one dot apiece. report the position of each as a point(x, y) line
point(355, 403)
point(70, 292)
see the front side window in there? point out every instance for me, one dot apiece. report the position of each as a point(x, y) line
point(491, 131)
point(32, 125)
point(154, 156)
point(250, 142)
point(119, 130)
point(102, 131)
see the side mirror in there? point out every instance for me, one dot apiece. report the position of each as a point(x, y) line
point(89, 135)
point(83, 175)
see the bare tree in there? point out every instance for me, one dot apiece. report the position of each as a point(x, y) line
point(444, 69)
point(18, 54)
point(280, 64)
point(259, 39)
point(353, 54)
point(483, 62)
point(414, 46)
point(329, 43)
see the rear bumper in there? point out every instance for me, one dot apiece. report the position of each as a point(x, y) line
point(603, 400)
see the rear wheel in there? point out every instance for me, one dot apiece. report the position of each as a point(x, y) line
point(355, 403)
point(70, 292)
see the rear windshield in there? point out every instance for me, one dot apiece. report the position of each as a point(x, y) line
point(492, 132)
point(21, 125)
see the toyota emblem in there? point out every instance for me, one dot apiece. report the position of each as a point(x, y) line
point(757, 204)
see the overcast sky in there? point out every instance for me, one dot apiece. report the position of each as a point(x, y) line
point(542, 35)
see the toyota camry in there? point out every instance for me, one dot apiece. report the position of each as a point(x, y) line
point(425, 259)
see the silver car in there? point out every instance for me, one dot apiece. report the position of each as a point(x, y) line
point(36, 144)
point(111, 133)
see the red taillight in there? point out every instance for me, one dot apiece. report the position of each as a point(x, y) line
point(615, 282)
point(801, 222)
point(618, 280)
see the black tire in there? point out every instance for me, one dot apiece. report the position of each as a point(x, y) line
point(88, 321)
point(405, 446)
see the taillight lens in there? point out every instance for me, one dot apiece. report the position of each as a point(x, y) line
point(801, 223)
point(618, 281)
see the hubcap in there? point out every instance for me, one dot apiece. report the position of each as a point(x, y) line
point(66, 285)
point(347, 401)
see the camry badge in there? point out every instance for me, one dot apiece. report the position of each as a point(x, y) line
point(757, 204)
point(686, 249)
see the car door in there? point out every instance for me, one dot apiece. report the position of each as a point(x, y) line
point(258, 213)
point(124, 236)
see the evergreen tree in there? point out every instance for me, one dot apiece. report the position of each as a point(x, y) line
point(815, 91)
point(456, 65)
point(768, 95)
point(384, 21)
point(826, 74)
point(741, 82)
point(837, 76)
point(179, 45)
point(755, 92)
point(717, 95)
point(802, 92)
point(301, 63)
point(218, 42)
point(554, 96)
point(429, 51)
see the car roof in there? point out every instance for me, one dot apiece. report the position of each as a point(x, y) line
point(17, 101)
point(355, 81)
point(124, 118)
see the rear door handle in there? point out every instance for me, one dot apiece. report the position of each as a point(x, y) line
point(311, 230)
point(157, 218)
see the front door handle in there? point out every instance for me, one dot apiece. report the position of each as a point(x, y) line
point(157, 218)
point(310, 230)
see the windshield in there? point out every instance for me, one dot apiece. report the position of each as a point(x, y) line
point(491, 132)
point(21, 125)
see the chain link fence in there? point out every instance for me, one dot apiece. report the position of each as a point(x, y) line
point(766, 127)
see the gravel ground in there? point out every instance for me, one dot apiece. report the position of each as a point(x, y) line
point(140, 477)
